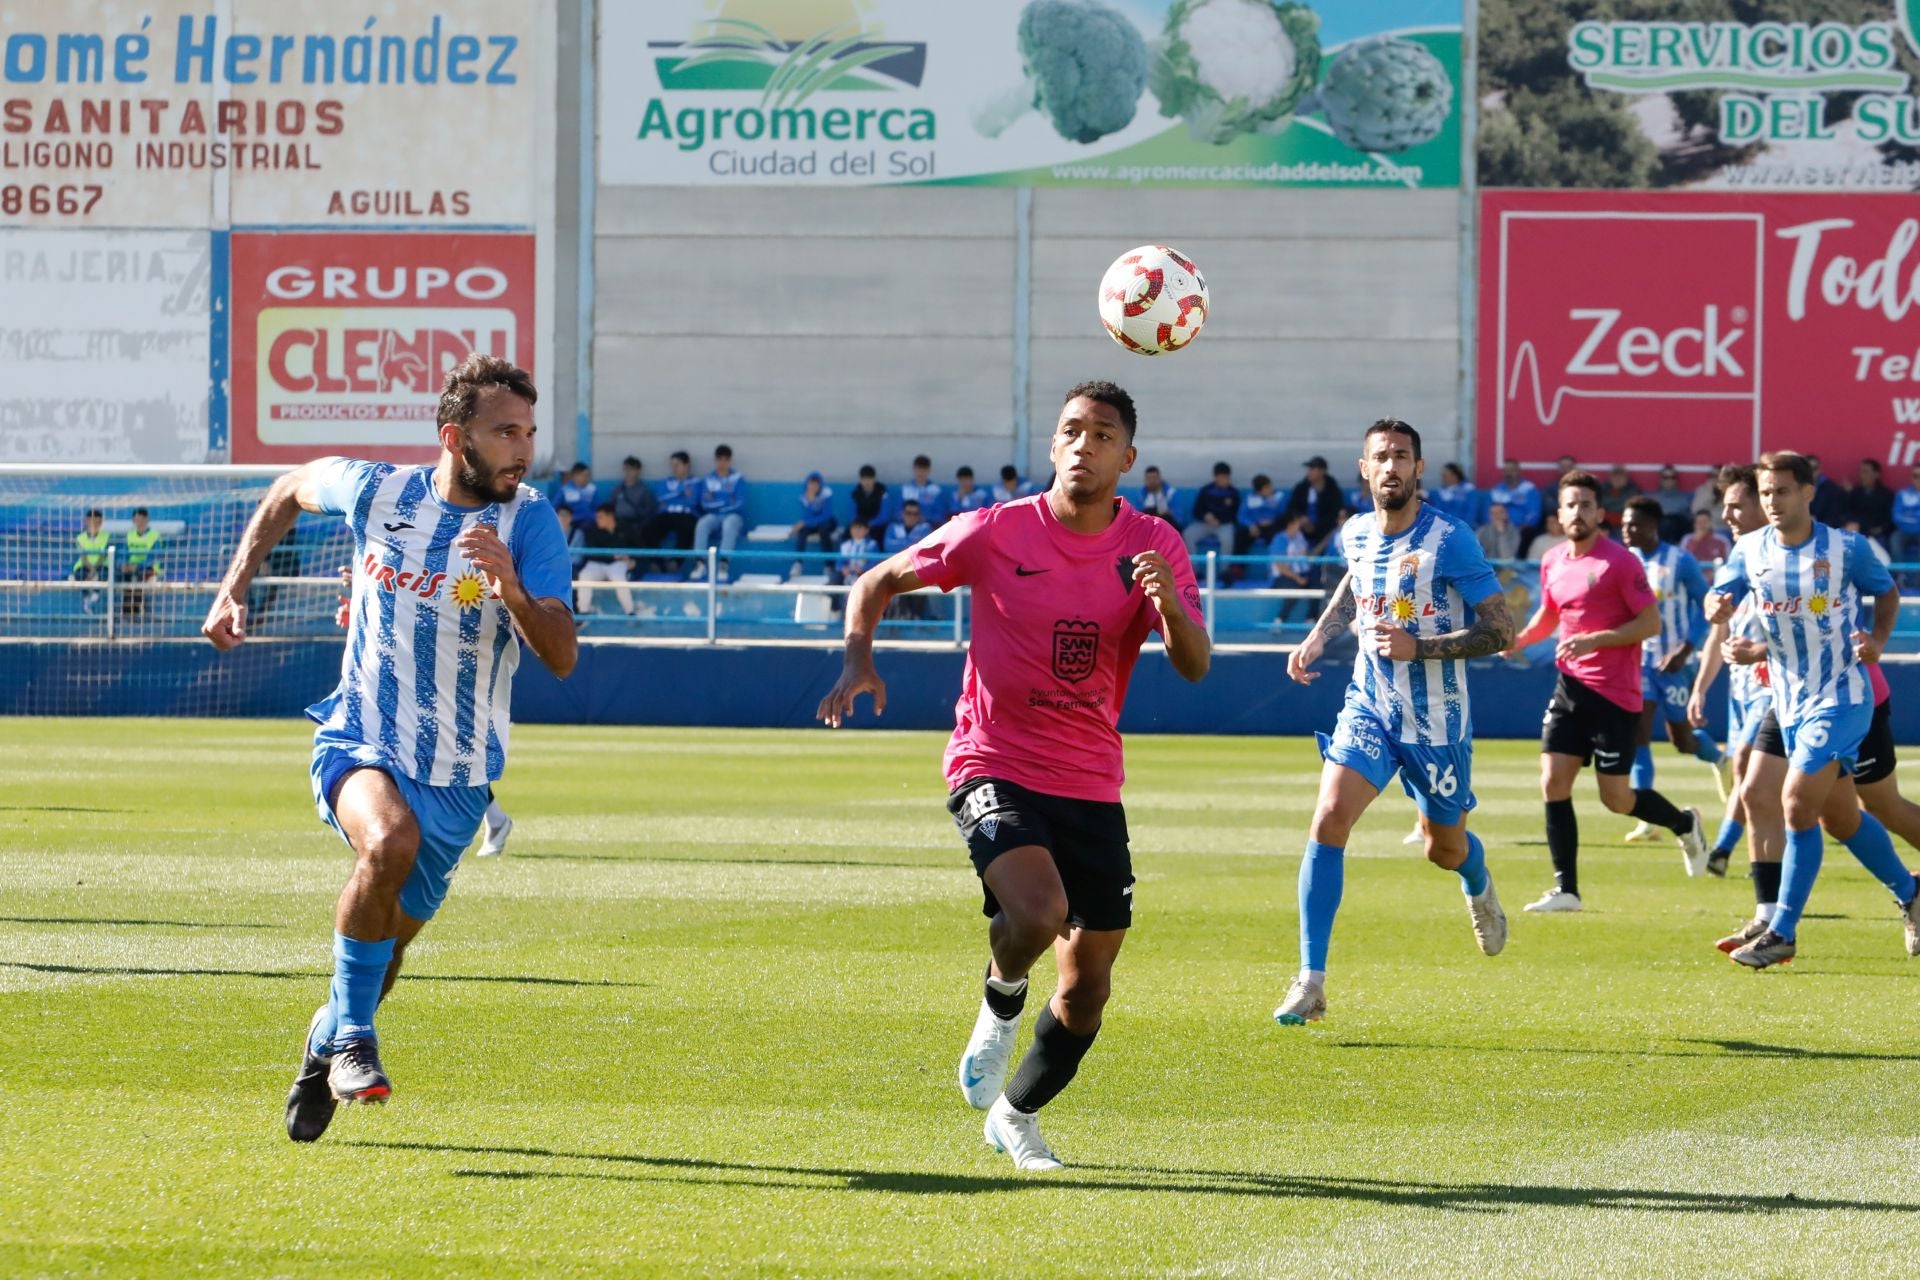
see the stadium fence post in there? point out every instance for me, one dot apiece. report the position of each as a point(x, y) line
point(713, 595)
point(113, 587)
point(1213, 579)
point(959, 619)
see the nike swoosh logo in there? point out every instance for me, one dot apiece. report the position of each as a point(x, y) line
point(966, 1073)
point(397, 526)
point(1022, 571)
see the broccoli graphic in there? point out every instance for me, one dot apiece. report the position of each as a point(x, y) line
point(1085, 65)
point(1230, 67)
point(1383, 94)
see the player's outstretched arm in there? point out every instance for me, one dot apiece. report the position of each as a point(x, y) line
point(866, 605)
point(1337, 617)
point(1644, 626)
point(1491, 633)
point(296, 491)
point(1544, 622)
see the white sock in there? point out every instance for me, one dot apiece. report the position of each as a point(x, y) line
point(1765, 911)
point(1316, 976)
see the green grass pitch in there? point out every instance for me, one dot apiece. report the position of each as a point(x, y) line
point(703, 1019)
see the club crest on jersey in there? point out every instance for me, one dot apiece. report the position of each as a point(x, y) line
point(1125, 566)
point(392, 579)
point(1822, 567)
point(1410, 563)
point(1076, 649)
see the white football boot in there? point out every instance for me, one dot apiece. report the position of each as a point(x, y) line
point(1693, 845)
point(495, 842)
point(1642, 833)
point(1018, 1134)
point(1306, 1002)
point(983, 1067)
point(1556, 900)
point(1489, 921)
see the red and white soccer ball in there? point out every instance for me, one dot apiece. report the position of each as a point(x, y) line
point(1153, 300)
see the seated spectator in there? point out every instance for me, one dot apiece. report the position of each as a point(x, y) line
point(869, 499)
point(1456, 495)
point(1156, 499)
point(634, 505)
point(1549, 537)
point(1011, 486)
point(1262, 513)
point(1564, 464)
point(1499, 536)
point(91, 566)
point(1676, 505)
point(924, 490)
point(1707, 497)
point(679, 512)
point(1358, 498)
point(1829, 505)
point(911, 526)
point(1906, 521)
point(579, 492)
point(816, 521)
point(1706, 545)
point(857, 553)
point(1620, 490)
point(1870, 502)
point(966, 495)
point(142, 563)
point(1216, 514)
point(576, 539)
point(1319, 499)
point(1520, 497)
point(723, 509)
point(1292, 568)
point(601, 564)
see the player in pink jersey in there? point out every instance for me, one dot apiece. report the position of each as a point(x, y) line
point(1066, 586)
point(1596, 593)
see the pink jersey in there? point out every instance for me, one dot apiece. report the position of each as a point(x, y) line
point(1603, 589)
point(1057, 624)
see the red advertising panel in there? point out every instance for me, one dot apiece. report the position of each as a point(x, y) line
point(341, 341)
point(1648, 328)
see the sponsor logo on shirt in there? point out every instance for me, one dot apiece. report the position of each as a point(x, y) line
point(1076, 649)
point(392, 580)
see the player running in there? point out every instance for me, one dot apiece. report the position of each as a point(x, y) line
point(1428, 601)
point(1595, 593)
point(1066, 585)
point(1667, 660)
point(453, 564)
point(1808, 580)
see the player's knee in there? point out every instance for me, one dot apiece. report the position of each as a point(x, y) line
point(386, 850)
point(1331, 825)
point(1617, 799)
point(1036, 919)
point(1083, 999)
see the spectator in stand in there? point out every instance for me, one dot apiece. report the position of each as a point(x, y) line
point(634, 505)
point(1263, 514)
point(1359, 498)
point(1906, 523)
point(911, 526)
point(1216, 513)
point(1621, 489)
point(1156, 499)
point(967, 496)
point(816, 521)
point(1706, 545)
point(601, 564)
point(1292, 569)
point(1456, 495)
point(1676, 505)
point(869, 499)
point(1880, 553)
point(142, 563)
point(1499, 536)
point(1549, 537)
point(1564, 464)
point(91, 566)
point(576, 537)
point(1871, 502)
point(1011, 486)
point(1707, 497)
point(679, 507)
point(579, 492)
point(282, 562)
point(1318, 498)
point(1829, 505)
point(924, 490)
point(858, 551)
point(1521, 499)
point(723, 508)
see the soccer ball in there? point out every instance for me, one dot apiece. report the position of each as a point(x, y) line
point(1153, 300)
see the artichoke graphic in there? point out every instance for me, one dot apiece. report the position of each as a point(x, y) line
point(1384, 94)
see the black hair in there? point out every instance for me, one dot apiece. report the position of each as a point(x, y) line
point(631, 461)
point(605, 508)
point(1394, 427)
point(867, 472)
point(723, 451)
point(680, 455)
point(1261, 480)
point(1103, 392)
point(95, 513)
point(1578, 479)
point(1646, 508)
point(140, 511)
point(580, 466)
point(964, 473)
point(1009, 472)
point(922, 460)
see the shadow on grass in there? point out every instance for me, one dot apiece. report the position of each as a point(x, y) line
point(156, 924)
point(745, 862)
point(1460, 1197)
point(1709, 1049)
point(137, 971)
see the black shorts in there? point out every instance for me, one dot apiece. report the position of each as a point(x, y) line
point(1581, 722)
point(1876, 749)
point(1087, 838)
point(1767, 739)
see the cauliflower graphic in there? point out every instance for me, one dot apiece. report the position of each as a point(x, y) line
point(1230, 67)
point(1384, 94)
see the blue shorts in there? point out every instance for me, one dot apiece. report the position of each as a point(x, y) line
point(1439, 778)
point(1668, 692)
point(1745, 718)
point(1825, 736)
point(448, 817)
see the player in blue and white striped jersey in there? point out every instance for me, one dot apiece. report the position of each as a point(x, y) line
point(1667, 660)
point(1427, 601)
point(453, 563)
point(1809, 580)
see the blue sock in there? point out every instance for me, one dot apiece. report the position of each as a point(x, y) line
point(320, 1041)
point(1874, 848)
point(1473, 872)
point(1640, 777)
point(1705, 748)
point(1798, 870)
point(358, 970)
point(1730, 833)
point(1323, 874)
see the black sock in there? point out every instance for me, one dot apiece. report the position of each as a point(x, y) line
point(1563, 845)
point(1766, 882)
point(1048, 1068)
point(1651, 806)
point(1006, 1005)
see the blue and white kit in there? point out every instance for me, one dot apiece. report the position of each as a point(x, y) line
point(1679, 592)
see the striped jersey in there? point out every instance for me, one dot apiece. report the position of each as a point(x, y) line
point(1679, 591)
point(427, 676)
point(1424, 579)
point(1808, 600)
point(1744, 685)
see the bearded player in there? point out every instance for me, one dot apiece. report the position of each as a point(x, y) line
point(1067, 584)
point(1428, 601)
point(453, 565)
